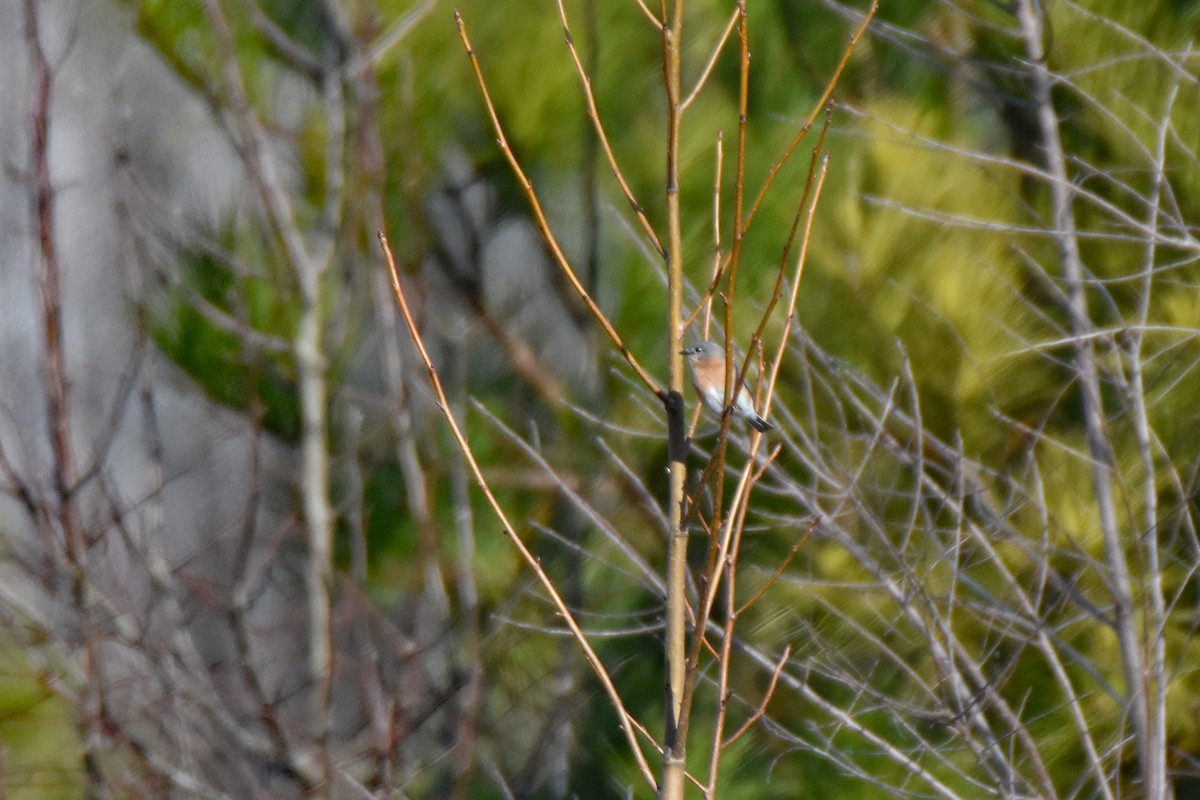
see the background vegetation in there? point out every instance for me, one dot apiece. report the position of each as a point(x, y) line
point(244, 557)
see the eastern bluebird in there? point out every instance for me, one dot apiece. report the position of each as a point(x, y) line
point(708, 376)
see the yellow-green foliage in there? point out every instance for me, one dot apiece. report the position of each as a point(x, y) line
point(38, 734)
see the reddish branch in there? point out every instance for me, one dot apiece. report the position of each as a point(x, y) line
point(57, 411)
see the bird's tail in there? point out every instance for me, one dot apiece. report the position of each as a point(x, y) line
point(759, 424)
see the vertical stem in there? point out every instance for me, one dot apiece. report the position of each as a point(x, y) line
point(466, 724)
point(307, 349)
point(739, 232)
point(591, 148)
point(58, 412)
point(729, 565)
point(312, 369)
point(674, 748)
point(739, 198)
point(1102, 459)
point(1156, 720)
point(314, 480)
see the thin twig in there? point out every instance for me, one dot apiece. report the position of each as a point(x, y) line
point(712, 61)
point(544, 225)
point(532, 561)
point(779, 163)
point(593, 111)
point(762, 707)
point(787, 560)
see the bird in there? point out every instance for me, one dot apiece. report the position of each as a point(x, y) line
point(708, 376)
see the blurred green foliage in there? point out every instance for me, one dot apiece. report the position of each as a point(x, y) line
point(232, 371)
point(37, 728)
